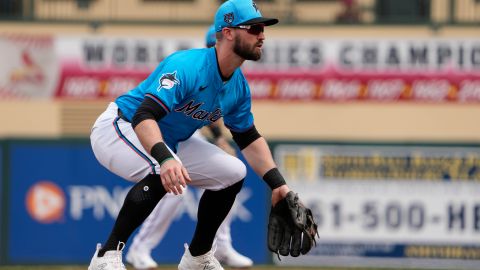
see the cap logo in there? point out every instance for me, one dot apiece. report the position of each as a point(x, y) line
point(228, 18)
point(255, 6)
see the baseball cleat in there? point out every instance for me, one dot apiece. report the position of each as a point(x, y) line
point(228, 256)
point(204, 262)
point(111, 260)
point(140, 260)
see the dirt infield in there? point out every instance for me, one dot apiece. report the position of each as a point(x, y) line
point(174, 267)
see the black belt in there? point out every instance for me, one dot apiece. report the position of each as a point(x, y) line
point(120, 114)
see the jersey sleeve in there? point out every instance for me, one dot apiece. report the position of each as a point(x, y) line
point(167, 86)
point(240, 118)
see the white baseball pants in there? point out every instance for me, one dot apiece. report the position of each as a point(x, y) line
point(118, 149)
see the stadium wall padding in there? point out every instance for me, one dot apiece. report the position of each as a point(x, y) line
point(61, 202)
point(2, 199)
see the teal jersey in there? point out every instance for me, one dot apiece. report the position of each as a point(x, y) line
point(189, 87)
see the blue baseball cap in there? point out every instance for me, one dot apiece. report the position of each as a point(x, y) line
point(210, 37)
point(240, 12)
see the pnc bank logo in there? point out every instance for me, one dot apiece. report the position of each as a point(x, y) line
point(45, 202)
point(48, 202)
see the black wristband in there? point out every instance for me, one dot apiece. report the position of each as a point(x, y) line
point(274, 178)
point(216, 131)
point(161, 153)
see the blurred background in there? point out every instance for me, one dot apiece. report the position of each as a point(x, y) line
point(371, 109)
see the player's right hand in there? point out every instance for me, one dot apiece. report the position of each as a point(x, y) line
point(174, 176)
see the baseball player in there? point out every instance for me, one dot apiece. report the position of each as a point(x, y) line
point(155, 226)
point(145, 136)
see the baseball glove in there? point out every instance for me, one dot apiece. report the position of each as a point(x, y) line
point(291, 227)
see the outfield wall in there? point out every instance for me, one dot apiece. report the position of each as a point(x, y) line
point(390, 172)
point(55, 194)
point(376, 204)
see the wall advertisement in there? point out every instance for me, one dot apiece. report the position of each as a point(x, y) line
point(2, 203)
point(388, 205)
point(30, 67)
point(312, 69)
point(62, 202)
point(429, 70)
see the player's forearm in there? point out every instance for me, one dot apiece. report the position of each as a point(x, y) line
point(259, 157)
point(148, 133)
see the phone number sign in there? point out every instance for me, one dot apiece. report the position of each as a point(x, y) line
point(433, 212)
point(388, 205)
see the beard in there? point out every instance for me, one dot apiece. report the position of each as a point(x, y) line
point(245, 51)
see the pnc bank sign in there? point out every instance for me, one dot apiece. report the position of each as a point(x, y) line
point(46, 202)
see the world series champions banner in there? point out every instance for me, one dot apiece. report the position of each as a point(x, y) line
point(424, 70)
point(388, 205)
point(308, 68)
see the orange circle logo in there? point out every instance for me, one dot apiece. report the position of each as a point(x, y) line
point(45, 202)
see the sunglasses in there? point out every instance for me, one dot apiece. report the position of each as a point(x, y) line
point(254, 29)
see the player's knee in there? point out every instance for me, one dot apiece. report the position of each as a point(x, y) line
point(227, 192)
point(147, 191)
point(236, 170)
point(235, 188)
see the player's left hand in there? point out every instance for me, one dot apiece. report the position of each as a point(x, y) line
point(279, 193)
point(291, 227)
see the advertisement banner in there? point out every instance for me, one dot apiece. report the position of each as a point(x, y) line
point(370, 69)
point(386, 206)
point(2, 199)
point(109, 66)
point(302, 68)
point(29, 66)
point(63, 203)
